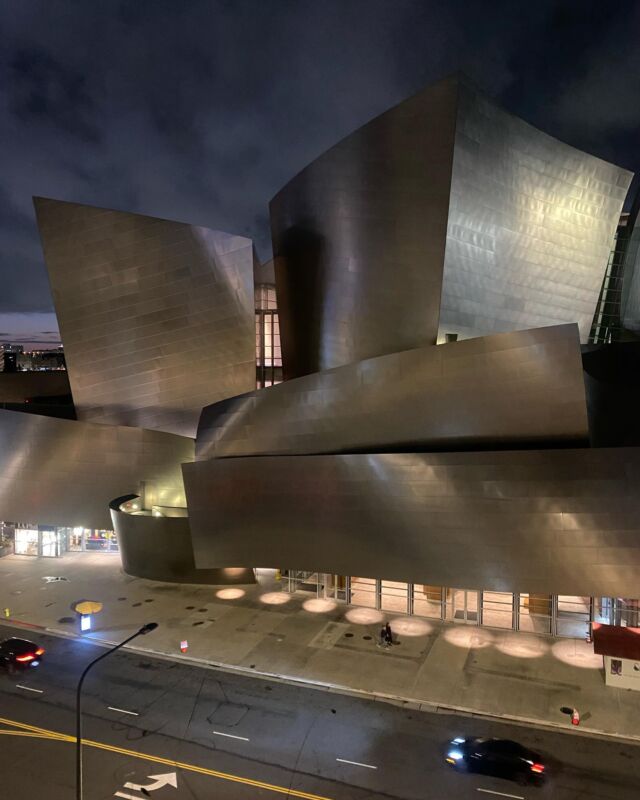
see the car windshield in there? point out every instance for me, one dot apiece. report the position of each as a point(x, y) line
point(19, 646)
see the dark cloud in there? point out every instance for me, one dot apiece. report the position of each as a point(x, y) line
point(201, 111)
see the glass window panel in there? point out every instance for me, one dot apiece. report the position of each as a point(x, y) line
point(363, 592)
point(427, 600)
point(535, 613)
point(573, 616)
point(395, 596)
point(497, 609)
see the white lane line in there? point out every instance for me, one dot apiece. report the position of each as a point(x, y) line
point(501, 794)
point(127, 796)
point(124, 711)
point(230, 736)
point(29, 689)
point(355, 763)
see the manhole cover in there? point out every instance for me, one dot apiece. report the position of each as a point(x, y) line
point(122, 598)
point(200, 622)
point(348, 635)
point(52, 579)
point(189, 608)
point(367, 638)
point(134, 605)
point(66, 620)
point(149, 601)
point(203, 610)
point(566, 710)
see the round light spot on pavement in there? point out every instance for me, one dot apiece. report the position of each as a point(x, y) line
point(577, 653)
point(319, 606)
point(364, 616)
point(275, 598)
point(230, 594)
point(521, 645)
point(463, 636)
point(411, 626)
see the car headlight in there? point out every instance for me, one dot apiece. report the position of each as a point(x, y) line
point(454, 755)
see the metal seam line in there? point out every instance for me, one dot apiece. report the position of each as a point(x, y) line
point(123, 711)
point(230, 736)
point(501, 794)
point(29, 689)
point(356, 763)
point(63, 737)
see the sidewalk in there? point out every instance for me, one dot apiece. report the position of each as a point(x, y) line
point(262, 630)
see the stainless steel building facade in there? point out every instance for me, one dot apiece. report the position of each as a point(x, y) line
point(386, 465)
point(156, 317)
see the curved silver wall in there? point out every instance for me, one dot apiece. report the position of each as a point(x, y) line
point(157, 317)
point(444, 213)
point(630, 306)
point(517, 387)
point(549, 521)
point(359, 238)
point(63, 472)
point(159, 549)
point(531, 225)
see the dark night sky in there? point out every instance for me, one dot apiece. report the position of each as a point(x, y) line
point(200, 110)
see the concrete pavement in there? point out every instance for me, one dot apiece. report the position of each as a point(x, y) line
point(299, 638)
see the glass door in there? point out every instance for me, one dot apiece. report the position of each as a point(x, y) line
point(463, 606)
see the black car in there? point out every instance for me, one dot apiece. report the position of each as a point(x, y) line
point(19, 653)
point(501, 758)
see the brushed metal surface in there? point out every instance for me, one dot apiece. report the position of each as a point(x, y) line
point(551, 521)
point(359, 238)
point(531, 225)
point(159, 549)
point(507, 388)
point(64, 472)
point(156, 317)
point(445, 214)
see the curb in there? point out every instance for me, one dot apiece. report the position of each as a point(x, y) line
point(426, 706)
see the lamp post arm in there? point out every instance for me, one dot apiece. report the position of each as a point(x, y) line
point(79, 710)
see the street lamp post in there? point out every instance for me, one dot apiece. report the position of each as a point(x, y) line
point(150, 626)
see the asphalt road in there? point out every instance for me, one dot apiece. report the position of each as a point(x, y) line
point(218, 735)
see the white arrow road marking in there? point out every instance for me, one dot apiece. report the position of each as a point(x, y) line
point(501, 794)
point(356, 763)
point(124, 711)
point(29, 689)
point(230, 736)
point(168, 779)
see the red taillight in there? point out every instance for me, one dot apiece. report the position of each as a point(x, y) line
point(40, 651)
point(28, 657)
point(537, 768)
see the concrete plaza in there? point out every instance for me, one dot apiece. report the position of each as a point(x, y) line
point(262, 629)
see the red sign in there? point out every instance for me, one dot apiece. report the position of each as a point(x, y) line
point(184, 645)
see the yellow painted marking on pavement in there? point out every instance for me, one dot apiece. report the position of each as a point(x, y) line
point(28, 733)
point(212, 773)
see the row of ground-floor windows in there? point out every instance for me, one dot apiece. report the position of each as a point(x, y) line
point(559, 615)
point(53, 542)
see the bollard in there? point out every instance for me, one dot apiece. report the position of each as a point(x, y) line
point(575, 717)
point(7, 612)
point(184, 646)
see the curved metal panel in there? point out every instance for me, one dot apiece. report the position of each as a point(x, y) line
point(531, 225)
point(512, 387)
point(445, 214)
point(159, 549)
point(157, 317)
point(551, 521)
point(63, 472)
point(359, 238)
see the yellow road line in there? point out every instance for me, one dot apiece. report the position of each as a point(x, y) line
point(28, 733)
point(44, 733)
